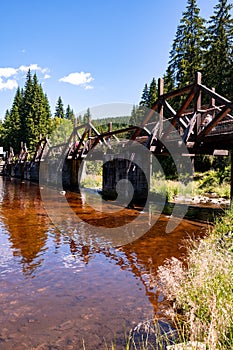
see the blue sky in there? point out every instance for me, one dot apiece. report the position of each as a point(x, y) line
point(88, 52)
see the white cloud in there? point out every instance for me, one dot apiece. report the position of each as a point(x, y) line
point(78, 79)
point(89, 87)
point(33, 66)
point(7, 72)
point(17, 74)
point(9, 84)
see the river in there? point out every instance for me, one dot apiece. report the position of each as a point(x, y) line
point(58, 290)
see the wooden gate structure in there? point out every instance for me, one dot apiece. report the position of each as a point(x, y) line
point(202, 122)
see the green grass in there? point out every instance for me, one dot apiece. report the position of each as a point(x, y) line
point(170, 188)
point(210, 182)
point(92, 181)
point(213, 182)
point(201, 295)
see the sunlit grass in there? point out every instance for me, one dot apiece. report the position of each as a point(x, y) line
point(201, 295)
point(92, 181)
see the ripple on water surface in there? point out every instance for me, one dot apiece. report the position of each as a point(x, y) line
point(58, 289)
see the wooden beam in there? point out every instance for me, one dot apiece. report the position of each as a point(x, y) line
point(160, 106)
point(213, 123)
point(112, 133)
point(190, 128)
point(178, 92)
point(186, 103)
point(182, 109)
point(197, 103)
point(169, 109)
point(216, 96)
point(81, 141)
point(146, 119)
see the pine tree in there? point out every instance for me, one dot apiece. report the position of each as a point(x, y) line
point(29, 116)
point(70, 114)
point(133, 117)
point(153, 94)
point(35, 113)
point(145, 96)
point(87, 116)
point(219, 48)
point(59, 110)
point(169, 81)
point(186, 54)
point(12, 124)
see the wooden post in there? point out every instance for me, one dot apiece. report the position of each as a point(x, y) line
point(89, 130)
point(75, 131)
point(160, 107)
point(197, 103)
point(212, 101)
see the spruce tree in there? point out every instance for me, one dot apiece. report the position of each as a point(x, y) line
point(29, 116)
point(87, 116)
point(218, 68)
point(12, 124)
point(145, 96)
point(186, 55)
point(59, 110)
point(153, 94)
point(70, 114)
point(35, 113)
point(133, 117)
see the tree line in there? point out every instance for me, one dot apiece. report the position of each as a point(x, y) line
point(204, 45)
point(200, 44)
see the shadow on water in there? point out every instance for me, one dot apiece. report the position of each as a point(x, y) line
point(57, 289)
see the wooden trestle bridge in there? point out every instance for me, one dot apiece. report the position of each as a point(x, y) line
point(202, 122)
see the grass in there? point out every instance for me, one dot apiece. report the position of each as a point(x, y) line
point(147, 335)
point(203, 184)
point(201, 294)
point(213, 182)
point(92, 181)
point(170, 188)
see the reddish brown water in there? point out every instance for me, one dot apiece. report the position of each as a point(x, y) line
point(56, 292)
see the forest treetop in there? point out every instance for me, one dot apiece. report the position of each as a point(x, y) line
point(200, 44)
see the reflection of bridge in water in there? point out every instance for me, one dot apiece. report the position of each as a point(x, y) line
point(202, 128)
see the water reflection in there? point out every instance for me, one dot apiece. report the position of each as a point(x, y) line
point(75, 285)
point(25, 220)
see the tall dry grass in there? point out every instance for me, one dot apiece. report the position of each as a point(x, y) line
point(201, 293)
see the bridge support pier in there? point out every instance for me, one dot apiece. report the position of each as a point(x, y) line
point(117, 169)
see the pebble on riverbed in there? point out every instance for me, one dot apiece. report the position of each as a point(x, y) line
point(191, 345)
point(211, 200)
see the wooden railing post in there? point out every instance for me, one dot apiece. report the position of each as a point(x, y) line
point(197, 103)
point(160, 107)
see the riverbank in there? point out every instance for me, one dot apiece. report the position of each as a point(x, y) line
point(199, 290)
